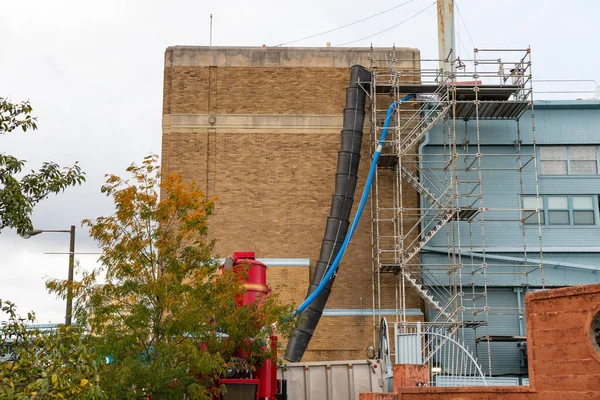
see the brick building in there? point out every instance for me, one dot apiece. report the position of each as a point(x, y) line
point(260, 129)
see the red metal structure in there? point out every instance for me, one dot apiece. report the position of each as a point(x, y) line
point(255, 283)
point(263, 383)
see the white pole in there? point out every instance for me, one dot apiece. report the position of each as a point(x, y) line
point(446, 47)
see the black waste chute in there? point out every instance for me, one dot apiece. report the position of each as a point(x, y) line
point(341, 207)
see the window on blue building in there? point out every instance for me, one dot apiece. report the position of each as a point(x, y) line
point(530, 210)
point(553, 160)
point(582, 160)
point(583, 210)
point(568, 160)
point(558, 210)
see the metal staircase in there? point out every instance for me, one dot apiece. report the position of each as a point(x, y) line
point(394, 248)
point(424, 293)
point(429, 114)
point(432, 195)
point(414, 250)
point(414, 181)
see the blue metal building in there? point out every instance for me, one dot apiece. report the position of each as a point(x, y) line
point(539, 225)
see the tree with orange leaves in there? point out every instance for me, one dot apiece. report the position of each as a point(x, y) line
point(164, 322)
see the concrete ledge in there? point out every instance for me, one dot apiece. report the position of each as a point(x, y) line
point(250, 122)
point(353, 312)
point(338, 57)
point(467, 389)
point(563, 292)
point(567, 104)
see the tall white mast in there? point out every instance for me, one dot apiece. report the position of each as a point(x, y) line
point(446, 46)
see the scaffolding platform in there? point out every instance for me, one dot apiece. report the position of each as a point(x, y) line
point(491, 110)
point(474, 324)
point(390, 268)
point(496, 102)
point(464, 91)
point(465, 214)
point(501, 339)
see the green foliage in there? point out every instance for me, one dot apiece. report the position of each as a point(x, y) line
point(14, 115)
point(18, 196)
point(165, 315)
point(44, 365)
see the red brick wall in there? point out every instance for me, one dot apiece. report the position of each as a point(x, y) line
point(561, 357)
point(563, 362)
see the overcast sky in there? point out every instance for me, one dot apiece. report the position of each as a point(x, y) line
point(93, 71)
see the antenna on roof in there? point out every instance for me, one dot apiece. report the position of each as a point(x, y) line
point(210, 39)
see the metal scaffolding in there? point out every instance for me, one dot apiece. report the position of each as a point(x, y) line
point(417, 196)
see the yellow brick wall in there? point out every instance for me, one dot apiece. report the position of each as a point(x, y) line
point(289, 282)
point(252, 90)
point(274, 183)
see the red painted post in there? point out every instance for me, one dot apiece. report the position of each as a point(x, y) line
point(273, 394)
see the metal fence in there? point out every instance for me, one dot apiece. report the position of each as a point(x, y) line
point(449, 361)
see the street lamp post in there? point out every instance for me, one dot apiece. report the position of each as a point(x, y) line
point(71, 232)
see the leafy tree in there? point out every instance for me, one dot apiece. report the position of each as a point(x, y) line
point(165, 315)
point(18, 196)
point(44, 365)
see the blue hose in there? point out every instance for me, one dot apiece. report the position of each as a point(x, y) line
point(361, 206)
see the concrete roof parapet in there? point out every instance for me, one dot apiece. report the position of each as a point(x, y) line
point(337, 57)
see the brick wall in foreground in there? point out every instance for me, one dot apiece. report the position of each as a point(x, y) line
point(564, 361)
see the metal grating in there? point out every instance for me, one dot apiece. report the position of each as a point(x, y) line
point(491, 110)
